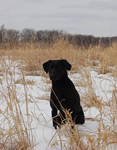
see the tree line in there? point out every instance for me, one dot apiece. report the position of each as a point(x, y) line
point(14, 37)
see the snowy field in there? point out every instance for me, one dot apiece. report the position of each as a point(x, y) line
point(29, 96)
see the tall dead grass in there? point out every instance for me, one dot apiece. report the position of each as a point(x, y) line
point(32, 57)
point(14, 126)
point(15, 130)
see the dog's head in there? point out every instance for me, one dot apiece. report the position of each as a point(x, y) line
point(56, 68)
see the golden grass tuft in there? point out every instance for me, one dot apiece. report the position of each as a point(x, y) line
point(28, 82)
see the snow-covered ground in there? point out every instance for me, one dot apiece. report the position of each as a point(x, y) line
point(37, 91)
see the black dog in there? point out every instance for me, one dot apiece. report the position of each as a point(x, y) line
point(63, 93)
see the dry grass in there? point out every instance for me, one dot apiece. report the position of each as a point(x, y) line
point(89, 98)
point(14, 126)
point(32, 57)
point(21, 81)
point(15, 131)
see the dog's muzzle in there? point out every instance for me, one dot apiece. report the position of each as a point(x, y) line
point(52, 77)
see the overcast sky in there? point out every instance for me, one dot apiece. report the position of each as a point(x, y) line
point(94, 17)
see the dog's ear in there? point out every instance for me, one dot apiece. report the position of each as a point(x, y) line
point(46, 66)
point(66, 64)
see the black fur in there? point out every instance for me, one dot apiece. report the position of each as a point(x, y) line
point(63, 93)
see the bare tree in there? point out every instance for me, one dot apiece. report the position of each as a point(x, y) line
point(28, 35)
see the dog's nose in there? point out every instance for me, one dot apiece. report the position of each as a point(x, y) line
point(52, 77)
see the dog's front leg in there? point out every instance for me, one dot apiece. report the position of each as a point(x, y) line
point(56, 118)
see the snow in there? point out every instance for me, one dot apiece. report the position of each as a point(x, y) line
point(45, 137)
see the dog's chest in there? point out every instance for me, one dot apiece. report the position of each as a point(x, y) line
point(57, 93)
point(58, 96)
